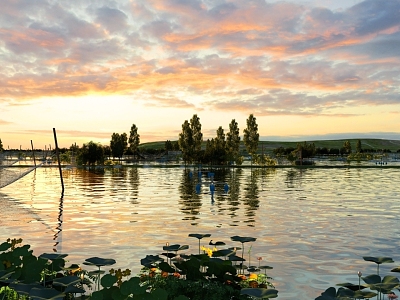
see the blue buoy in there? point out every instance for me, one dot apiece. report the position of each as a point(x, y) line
point(190, 174)
point(212, 187)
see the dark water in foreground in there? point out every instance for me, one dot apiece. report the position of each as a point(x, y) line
point(312, 225)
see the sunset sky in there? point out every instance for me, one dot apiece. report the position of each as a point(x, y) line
point(306, 69)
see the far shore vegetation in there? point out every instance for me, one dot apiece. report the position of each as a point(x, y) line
point(226, 148)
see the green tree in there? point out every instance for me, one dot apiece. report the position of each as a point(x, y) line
point(195, 125)
point(134, 139)
point(219, 146)
point(118, 144)
point(251, 136)
point(1, 146)
point(233, 141)
point(168, 146)
point(90, 154)
point(190, 139)
point(347, 147)
point(186, 143)
point(358, 146)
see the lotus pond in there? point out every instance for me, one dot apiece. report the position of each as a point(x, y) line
point(313, 226)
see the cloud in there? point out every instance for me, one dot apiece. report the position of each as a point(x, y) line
point(271, 58)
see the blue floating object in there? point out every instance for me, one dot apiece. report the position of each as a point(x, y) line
point(198, 188)
point(212, 187)
point(226, 187)
point(210, 174)
point(190, 174)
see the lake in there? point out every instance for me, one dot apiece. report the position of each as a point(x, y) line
point(313, 226)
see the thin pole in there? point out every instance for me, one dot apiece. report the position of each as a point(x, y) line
point(58, 159)
point(33, 152)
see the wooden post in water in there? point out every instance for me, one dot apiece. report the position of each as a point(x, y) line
point(58, 160)
point(33, 152)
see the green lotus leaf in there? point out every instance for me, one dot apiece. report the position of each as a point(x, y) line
point(166, 267)
point(199, 236)
point(218, 243)
point(397, 269)
point(266, 267)
point(169, 254)
point(260, 293)
point(74, 290)
point(52, 256)
point(66, 281)
point(159, 294)
point(385, 285)
point(332, 294)
point(149, 260)
point(23, 288)
point(108, 280)
point(98, 295)
point(22, 251)
point(181, 297)
point(364, 294)
point(117, 295)
point(99, 262)
point(372, 279)
point(175, 247)
point(132, 286)
point(45, 293)
point(4, 274)
point(253, 269)
point(5, 246)
point(223, 252)
point(378, 260)
point(235, 258)
point(73, 267)
point(242, 239)
point(351, 286)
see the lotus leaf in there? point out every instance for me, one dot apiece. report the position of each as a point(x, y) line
point(66, 281)
point(74, 290)
point(385, 285)
point(199, 236)
point(99, 262)
point(260, 293)
point(23, 288)
point(242, 239)
point(5, 246)
point(378, 260)
point(175, 247)
point(166, 267)
point(45, 293)
point(235, 258)
point(52, 256)
point(218, 243)
point(266, 267)
point(108, 280)
point(397, 269)
point(4, 274)
point(73, 268)
point(223, 252)
point(353, 287)
point(22, 251)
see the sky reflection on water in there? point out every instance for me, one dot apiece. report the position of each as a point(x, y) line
point(313, 225)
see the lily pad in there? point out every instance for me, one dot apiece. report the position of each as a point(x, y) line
point(218, 243)
point(266, 267)
point(175, 247)
point(243, 239)
point(260, 293)
point(73, 267)
point(223, 252)
point(23, 288)
point(235, 258)
point(351, 286)
point(45, 294)
point(66, 281)
point(149, 260)
point(378, 260)
point(99, 262)
point(397, 269)
point(199, 236)
point(52, 256)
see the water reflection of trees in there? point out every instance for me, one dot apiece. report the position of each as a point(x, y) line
point(189, 201)
point(293, 177)
point(134, 185)
point(251, 195)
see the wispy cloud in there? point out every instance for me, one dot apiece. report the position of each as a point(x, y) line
point(270, 58)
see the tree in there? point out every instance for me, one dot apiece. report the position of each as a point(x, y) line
point(90, 153)
point(118, 144)
point(134, 139)
point(233, 141)
point(347, 147)
point(186, 142)
point(195, 125)
point(358, 146)
point(219, 146)
point(1, 146)
point(190, 139)
point(251, 136)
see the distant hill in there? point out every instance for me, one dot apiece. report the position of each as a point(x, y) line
point(269, 146)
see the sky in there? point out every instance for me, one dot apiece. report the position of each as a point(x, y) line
point(306, 70)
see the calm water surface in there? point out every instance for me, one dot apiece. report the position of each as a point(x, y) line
point(312, 225)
